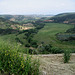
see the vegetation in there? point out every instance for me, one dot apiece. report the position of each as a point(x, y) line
point(71, 30)
point(21, 37)
point(46, 49)
point(66, 56)
point(61, 18)
point(8, 31)
point(15, 63)
point(48, 36)
point(42, 38)
point(66, 36)
point(21, 19)
point(69, 35)
point(33, 38)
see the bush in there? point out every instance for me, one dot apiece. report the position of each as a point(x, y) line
point(33, 51)
point(27, 45)
point(46, 49)
point(34, 43)
point(66, 56)
point(14, 63)
point(56, 50)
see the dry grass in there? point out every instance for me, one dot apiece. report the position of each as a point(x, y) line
point(53, 65)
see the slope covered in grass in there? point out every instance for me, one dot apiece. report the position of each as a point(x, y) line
point(10, 41)
point(48, 35)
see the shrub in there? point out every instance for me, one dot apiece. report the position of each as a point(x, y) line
point(66, 56)
point(34, 43)
point(56, 50)
point(14, 63)
point(33, 51)
point(41, 49)
point(48, 47)
point(27, 45)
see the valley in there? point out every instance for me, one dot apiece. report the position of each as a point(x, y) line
point(48, 35)
point(35, 38)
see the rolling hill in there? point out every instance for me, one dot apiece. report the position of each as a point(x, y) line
point(5, 23)
point(64, 18)
point(40, 33)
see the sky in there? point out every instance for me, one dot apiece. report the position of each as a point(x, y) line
point(26, 7)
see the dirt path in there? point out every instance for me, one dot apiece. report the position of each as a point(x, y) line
point(52, 64)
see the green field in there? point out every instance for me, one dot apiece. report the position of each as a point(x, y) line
point(9, 41)
point(47, 35)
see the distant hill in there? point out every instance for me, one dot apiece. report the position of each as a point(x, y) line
point(5, 23)
point(14, 17)
point(7, 20)
point(64, 18)
point(6, 28)
point(20, 17)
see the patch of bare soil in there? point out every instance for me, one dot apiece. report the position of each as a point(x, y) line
point(25, 28)
point(21, 27)
point(12, 19)
point(52, 64)
point(13, 26)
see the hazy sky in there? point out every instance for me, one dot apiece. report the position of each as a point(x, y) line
point(36, 6)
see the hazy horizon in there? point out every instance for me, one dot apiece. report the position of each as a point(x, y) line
point(37, 7)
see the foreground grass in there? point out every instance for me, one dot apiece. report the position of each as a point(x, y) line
point(48, 35)
point(9, 40)
point(13, 62)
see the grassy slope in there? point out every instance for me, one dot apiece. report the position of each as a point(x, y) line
point(47, 35)
point(9, 40)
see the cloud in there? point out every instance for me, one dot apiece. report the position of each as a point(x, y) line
point(36, 6)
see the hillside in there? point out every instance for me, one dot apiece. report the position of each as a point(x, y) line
point(6, 26)
point(17, 17)
point(4, 23)
point(20, 34)
point(48, 35)
point(41, 38)
point(32, 35)
point(64, 18)
point(23, 19)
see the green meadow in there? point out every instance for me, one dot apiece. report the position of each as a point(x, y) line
point(48, 35)
point(9, 41)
